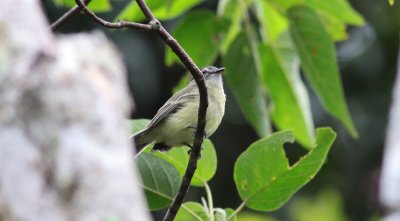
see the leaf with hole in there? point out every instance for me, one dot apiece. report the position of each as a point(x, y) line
point(206, 167)
point(262, 174)
point(160, 180)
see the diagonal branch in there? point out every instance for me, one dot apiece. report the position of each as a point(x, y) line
point(201, 123)
point(113, 25)
point(156, 26)
point(65, 17)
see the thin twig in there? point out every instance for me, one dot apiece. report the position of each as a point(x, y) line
point(156, 26)
point(65, 17)
point(113, 25)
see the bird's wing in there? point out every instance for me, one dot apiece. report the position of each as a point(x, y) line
point(172, 105)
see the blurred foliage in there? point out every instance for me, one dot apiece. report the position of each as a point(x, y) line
point(327, 205)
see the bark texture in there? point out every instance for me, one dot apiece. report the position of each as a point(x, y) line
point(64, 153)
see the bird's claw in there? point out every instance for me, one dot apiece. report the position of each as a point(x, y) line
point(195, 130)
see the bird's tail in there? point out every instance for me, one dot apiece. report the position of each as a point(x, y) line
point(141, 139)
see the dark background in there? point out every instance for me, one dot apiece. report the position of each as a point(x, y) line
point(368, 65)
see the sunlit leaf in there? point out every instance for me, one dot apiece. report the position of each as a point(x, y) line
point(391, 2)
point(272, 22)
point(230, 10)
point(341, 9)
point(262, 174)
point(191, 211)
point(242, 78)
point(318, 59)
point(206, 33)
point(162, 10)
point(335, 27)
point(291, 109)
point(206, 167)
point(96, 6)
point(160, 180)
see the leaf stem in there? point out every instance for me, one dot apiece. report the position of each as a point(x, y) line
point(237, 210)
point(210, 202)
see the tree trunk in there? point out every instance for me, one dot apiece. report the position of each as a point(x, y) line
point(64, 153)
point(390, 180)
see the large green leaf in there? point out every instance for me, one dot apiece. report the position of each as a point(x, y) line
point(242, 78)
point(160, 180)
point(262, 174)
point(206, 33)
point(206, 167)
point(340, 9)
point(318, 60)
point(232, 11)
point(273, 24)
point(291, 109)
point(162, 10)
point(191, 211)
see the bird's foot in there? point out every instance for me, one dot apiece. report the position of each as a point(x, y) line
point(191, 153)
point(195, 130)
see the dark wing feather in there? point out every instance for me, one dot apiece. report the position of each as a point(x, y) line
point(172, 105)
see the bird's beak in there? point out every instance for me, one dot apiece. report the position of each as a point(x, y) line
point(220, 71)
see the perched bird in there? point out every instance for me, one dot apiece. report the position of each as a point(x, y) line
point(176, 121)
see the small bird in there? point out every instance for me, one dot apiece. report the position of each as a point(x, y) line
point(176, 121)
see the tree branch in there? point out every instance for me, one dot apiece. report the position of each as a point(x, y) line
point(65, 17)
point(113, 25)
point(156, 26)
point(201, 123)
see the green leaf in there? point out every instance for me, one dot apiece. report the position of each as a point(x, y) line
point(242, 78)
point(272, 22)
point(391, 2)
point(231, 11)
point(291, 109)
point(229, 212)
point(222, 214)
point(206, 33)
point(160, 180)
point(96, 6)
point(191, 211)
point(206, 167)
point(335, 27)
point(327, 206)
point(137, 125)
point(318, 60)
point(249, 216)
point(340, 9)
point(162, 10)
point(262, 174)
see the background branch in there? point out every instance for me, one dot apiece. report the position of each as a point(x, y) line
point(65, 17)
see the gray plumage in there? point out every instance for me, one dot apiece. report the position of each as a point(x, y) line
point(175, 122)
